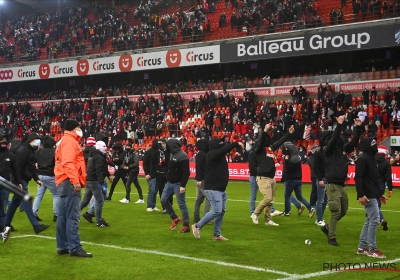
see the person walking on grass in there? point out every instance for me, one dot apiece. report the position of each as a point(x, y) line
point(177, 177)
point(252, 160)
point(70, 173)
point(293, 177)
point(46, 163)
point(131, 165)
point(117, 158)
point(96, 170)
point(266, 173)
point(319, 170)
point(215, 182)
point(335, 156)
point(369, 194)
point(26, 163)
point(8, 167)
point(385, 179)
point(161, 158)
point(201, 156)
point(150, 174)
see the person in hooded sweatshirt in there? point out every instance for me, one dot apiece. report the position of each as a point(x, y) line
point(215, 182)
point(46, 162)
point(8, 167)
point(266, 173)
point(336, 163)
point(385, 179)
point(96, 171)
point(177, 177)
point(202, 145)
point(293, 177)
point(117, 157)
point(131, 165)
point(150, 174)
point(90, 142)
point(160, 163)
point(369, 194)
point(26, 162)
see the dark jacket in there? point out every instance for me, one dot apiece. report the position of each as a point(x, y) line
point(120, 155)
point(217, 173)
point(252, 163)
point(265, 165)
point(26, 162)
point(319, 165)
point(161, 160)
point(178, 169)
point(96, 168)
point(201, 159)
point(8, 166)
point(45, 157)
point(311, 163)
point(87, 151)
point(335, 160)
point(367, 175)
point(292, 167)
point(132, 161)
point(148, 164)
point(385, 172)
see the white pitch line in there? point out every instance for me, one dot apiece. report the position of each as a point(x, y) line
point(155, 252)
point(322, 273)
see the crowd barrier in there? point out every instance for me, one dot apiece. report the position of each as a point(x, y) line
point(240, 171)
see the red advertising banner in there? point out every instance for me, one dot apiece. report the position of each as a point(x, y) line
point(240, 171)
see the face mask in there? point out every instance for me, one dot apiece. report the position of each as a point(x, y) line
point(36, 143)
point(128, 149)
point(79, 133)
point(3, 145)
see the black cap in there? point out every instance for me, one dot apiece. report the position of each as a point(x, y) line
point(33, 136)
point(71, 124)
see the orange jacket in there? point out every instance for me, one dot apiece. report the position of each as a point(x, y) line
point(70, 162)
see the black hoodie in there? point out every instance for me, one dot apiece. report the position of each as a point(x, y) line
point(385, 172)
point(96, 168)
point(202, 144)
point(217, 173)
point(367, 175)
point(8, 165)
point(335, 155)
point(292, 167)
point(148, 160)
point(86, 152)
point(161, 160)
point(26, 162)
point(120, 155)
point(45, 157)
point(178, 168)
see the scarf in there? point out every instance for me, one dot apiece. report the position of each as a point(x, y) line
point(162, 157)
point(270, 154)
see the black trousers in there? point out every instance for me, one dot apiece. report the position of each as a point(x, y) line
point(119, 174)
point(133, 178)
point(160, 183)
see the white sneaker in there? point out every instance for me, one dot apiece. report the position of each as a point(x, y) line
point(276, 213)
point(140, 201)
point(320, 223)
point(124, 200)
point(271, 223)
point(149, 209)
point(5, 234)
point(254, 217)
point(156, 209)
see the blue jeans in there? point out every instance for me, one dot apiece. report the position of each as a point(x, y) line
point(322, 200)
point(152, 194)
point(170, 189)
point(27, 206)
point(218, 205)
point(92, 203)
point(67, 234)
point(294, 185)
point(93, 188)
point(368, 232)
point(48, 183)
point(200, 196)
point(381, 218)
point(3, 206)
point(292, 199)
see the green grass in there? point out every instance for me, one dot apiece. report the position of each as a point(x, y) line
point(139, 244)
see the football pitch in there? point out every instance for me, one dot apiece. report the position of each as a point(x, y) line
point(139, 245)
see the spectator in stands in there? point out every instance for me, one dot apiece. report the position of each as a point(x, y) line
point(333, 17)
point(356, 9)
point(365, 95)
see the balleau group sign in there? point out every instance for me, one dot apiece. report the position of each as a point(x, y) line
point(313, 42)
